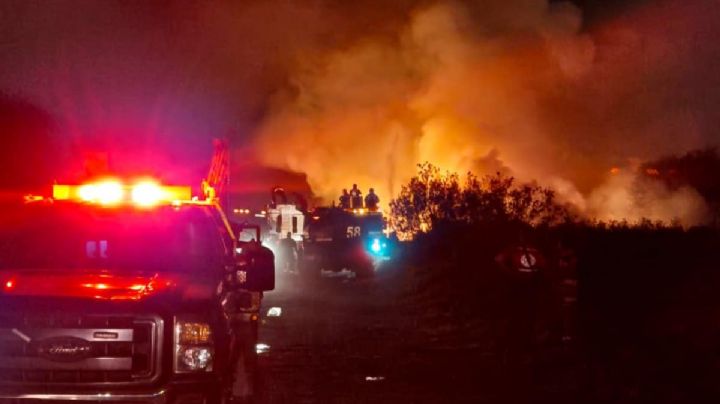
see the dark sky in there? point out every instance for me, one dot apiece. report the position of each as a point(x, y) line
point(160, 69)
point(165, 75)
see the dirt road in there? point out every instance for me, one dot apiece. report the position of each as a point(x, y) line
point(341, 340)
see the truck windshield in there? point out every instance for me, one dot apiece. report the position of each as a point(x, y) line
point(69, 237)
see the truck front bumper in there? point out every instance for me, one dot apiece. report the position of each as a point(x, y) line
point(171, 394)
point(159, 397)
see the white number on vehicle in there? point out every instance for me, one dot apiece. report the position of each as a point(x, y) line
point(353, 231)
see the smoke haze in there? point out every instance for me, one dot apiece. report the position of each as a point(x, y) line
point(519, 86)
point(362, 91)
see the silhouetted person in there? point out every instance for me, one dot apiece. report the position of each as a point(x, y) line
point(345, 199)
point(356, 199)
point(288, 253)
point(372, 200)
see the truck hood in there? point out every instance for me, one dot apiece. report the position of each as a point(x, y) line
point(100, 284)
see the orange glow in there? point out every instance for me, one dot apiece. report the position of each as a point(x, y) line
point(33, 198)
point(652, 172)
point(100, 286)
point(615, 171)
point(194, 333)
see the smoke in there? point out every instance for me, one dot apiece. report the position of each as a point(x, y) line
point(516, 86)
point(632, 197)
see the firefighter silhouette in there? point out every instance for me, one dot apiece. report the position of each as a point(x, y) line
point(345, 199)
point(356, 199)
point(372, 200)
point(288, 253)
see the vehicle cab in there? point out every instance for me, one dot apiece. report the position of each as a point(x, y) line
point(120, 292)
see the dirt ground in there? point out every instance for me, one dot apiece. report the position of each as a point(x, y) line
point(342, 340)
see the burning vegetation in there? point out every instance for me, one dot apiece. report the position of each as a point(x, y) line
point(672, 191)
point(521, 87)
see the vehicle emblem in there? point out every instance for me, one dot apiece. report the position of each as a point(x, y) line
point(64, 349)
point(105, 335)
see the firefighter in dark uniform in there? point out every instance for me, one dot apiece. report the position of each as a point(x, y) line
point(345, 199)
point(372, 200)
point(356, 199)
point(288, 253)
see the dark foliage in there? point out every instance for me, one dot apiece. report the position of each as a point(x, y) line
point(432, 198)
point(648, 305)
point(647, 301)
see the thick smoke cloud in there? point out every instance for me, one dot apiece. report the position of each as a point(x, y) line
point(151, 83)
point(517, 86)
point(362, 91)
point(632, 197)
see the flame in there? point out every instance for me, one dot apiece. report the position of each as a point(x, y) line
point(517, 87)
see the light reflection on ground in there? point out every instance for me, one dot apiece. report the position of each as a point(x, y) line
point(261, 348)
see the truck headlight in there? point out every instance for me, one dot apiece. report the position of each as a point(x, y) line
point(196, 358)
point(194, 350)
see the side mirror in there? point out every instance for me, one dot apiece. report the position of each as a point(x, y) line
point(256, 270)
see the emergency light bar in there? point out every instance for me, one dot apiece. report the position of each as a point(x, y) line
point(113, 192)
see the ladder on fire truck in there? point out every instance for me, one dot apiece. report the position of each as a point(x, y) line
point(215, 186)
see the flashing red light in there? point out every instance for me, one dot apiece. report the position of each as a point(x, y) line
point(147, 193)
point(108, 192)
point(95, 286)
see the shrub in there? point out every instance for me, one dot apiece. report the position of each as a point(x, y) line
point(432, 197)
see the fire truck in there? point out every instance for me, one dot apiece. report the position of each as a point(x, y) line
point(330, 238)
point(338, 239)
point(127, 291)
point(285, 217)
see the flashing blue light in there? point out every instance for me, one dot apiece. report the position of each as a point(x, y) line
point(376, 247)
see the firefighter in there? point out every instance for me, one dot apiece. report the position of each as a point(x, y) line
point(356, 199)
point(372, 200)
point(288, 253)
point(345, 199)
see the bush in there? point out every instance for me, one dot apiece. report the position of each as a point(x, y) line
point(432, 197)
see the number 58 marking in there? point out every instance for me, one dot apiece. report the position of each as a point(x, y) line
point(353, 231)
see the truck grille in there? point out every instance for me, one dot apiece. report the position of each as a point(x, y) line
point(61, 349)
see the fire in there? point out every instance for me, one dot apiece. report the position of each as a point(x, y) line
point(529, 98)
